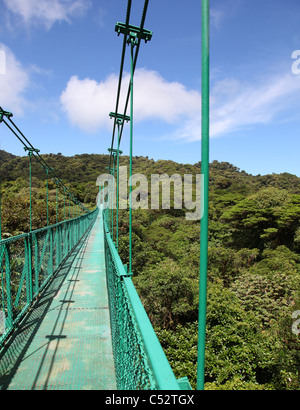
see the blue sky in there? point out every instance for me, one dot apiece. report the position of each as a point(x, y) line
point(62, 60)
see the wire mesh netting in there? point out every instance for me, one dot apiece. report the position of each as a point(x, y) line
point(131, 362)
point(29, 261)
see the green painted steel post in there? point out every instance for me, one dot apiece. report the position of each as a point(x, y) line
point(56, 202)
point(113, 197)
point(205, 200)
point(118, 189)
point(30, 153)
point(109, 208)
point(8, 115)
point(47, 173)
point(119, 123)
point(0, 213)
point(30, 198)
point(2, 290)
point(29, 277)
point(36, 267)
point(30, 245)
point(131, 153)
point(64, 204)
point(109, 202)
point(51, 254)
point(9, 319)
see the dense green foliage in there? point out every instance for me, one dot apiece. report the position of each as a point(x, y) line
point(253, 271)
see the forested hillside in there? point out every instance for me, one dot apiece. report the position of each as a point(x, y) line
point(253, 266)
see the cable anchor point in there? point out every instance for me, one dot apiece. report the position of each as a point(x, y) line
point(135, 33)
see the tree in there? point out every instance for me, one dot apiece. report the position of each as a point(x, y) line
point(267, 218)
point(225, 264)
point(235, 349)
point(168, 294)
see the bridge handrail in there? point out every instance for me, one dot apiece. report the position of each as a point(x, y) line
point(26, 234)
point(29, 261)
point(148, 367)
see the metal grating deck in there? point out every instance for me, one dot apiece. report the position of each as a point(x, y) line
point(64, 343)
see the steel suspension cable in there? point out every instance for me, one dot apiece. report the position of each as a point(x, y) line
point(142, 24)
point(135, 62)
point(136, 35)
point(121, 74)
point(35, 153)
point(38, 157)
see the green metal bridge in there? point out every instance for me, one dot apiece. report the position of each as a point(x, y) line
point(83, 329)
point(70, 316)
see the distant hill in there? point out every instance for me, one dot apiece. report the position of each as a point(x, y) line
point(81, 172)
point(6, 156)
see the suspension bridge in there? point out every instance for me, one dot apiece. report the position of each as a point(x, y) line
point(70, 316)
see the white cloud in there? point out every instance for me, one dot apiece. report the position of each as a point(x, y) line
point(155, 97)
point(224, 11)
point(217, 17)
point(46, 12)
point(13, 84)
point(88, 103)
point(235, 105)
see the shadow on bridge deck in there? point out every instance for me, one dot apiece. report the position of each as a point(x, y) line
point(64, 343)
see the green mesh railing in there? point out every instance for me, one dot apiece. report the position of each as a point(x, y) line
point(140, 362)
point(29, 261)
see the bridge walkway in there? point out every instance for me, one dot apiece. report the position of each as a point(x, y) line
point(64, 342)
